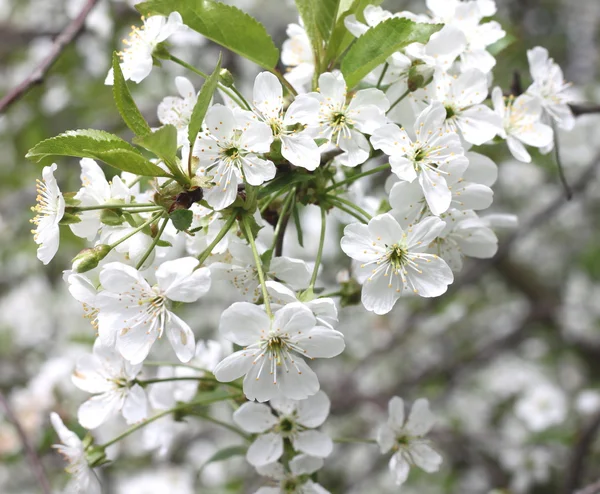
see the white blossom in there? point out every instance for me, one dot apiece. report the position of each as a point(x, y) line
point(49, 210)
point(296, 52)
point(272, 359)
point(406, 439)
point(293, 420)
point(392, 260)
point(177, 111)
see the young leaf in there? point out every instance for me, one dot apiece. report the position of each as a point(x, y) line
point(224, 24)
point(182, 219)
point(100, 145)
point(161, 142)
point(202, 103)
point(308, 13)
point(225, 454)
point(379, 42)
point(127, 108)
point(340, 37)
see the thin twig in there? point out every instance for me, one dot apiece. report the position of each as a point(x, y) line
point(32, 456)
point(581, 449)
point(60, 43)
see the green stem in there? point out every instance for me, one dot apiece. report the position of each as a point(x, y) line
point(259, 267)
point(226, 227)
point(332, 294)
point(152, 245)
point(406, 93)
point(145, 382)
point(285, 82)
point(353, 178)
point(561, 171)
point(354, 440)
point(139, 228)
point(351, 205)
point(241, 97)
point(175, 364)
point(230, 427)
point(313, 279)
point(284, 209)
point(385, 68)
point(164, 413)
point(223, 88)
point(346, 210)
point(113, 206)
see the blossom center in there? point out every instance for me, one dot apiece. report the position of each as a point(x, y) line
point(398, 256)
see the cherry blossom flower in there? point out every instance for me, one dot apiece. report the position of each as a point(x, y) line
point(83, 480)
point(49, 210)
point(435, 157)
point(297, 53)
point(405, 439)
point(112, 381)
point(272, 359)
point(392, 260)
point(227, 152)
point(293, 420)
point(522, 125)
point(95, 191)
point(343, 124)
point(297, 146)
point(136, 58)
point(550, 88)
point(297, 480)
point(135, 314)
point(177, 111)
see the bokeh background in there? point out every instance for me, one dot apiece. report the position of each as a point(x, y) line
point(509, 359)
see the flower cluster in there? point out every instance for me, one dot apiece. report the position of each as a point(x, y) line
point(218, 210)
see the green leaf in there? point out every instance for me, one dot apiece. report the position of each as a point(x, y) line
point(340, 37)
point(282, 182)
point(100, 145)
point(161, 142)
point(226, 453)
point(296, 215)
point(182, 219)
point(202, 103)
point(127, 108)
point(224, 24)
point(381, 41)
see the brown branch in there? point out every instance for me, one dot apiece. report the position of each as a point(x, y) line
point(584, 109)
point(32, 457)
point(576, 469)
point(60, 43)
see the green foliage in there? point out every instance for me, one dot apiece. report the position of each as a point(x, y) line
point(224, 24)
point(225, 454)
point(378, 43)
point(204, 98)
point(161, 142)
point(182, 219)
point(127, 108)
point(340, 38)
point(100, 145)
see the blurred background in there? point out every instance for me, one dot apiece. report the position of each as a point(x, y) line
point(509, 359)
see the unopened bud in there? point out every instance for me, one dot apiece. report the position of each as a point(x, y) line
point(88, 259)
point(95, 456)
point(419, 76)
point(226, 78)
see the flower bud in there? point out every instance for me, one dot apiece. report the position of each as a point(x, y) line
point(88, 259)
point(419, 76)
point(226, 78)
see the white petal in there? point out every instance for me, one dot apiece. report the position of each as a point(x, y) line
point(220, 122)
point(98, 409)
point(257, 171)
point(425, 457)
point(234, 366)
point(301, 150)
point(436, 191)
point(333, 86)
point(421, 420)
point(314, 443)
point(268, 95)
point(305, 464)
point(321, 342)
point(479, 124)
point(433, 277)
point(181, 281)
point(181, 337)
point(396, 413)
point(294, 272)
point(399, 468)
point(243, 323)
point(254, 417)
point(313, 411)
point(135, 408)
point(266, 449)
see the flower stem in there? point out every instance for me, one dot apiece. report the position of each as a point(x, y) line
point(285, 82)
point(138, 229)
point(315, 272)
point(164, 413)
point(226, 227)
point(351, 205)
point(114, 206)
point(385, 68)
point(145, 382)
point(152, 245)
point(231, 94)
point(353, 178)
point(259, 266)
point(175, 364)
point(354, 440)
point(404, 95)
point(230, 427)
point(284, 209)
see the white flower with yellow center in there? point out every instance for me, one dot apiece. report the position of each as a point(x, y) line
point(392, 261)
point(521, 118)
point(50, 209)
point(136, 58)
point(272, 359)
point(135, 314)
